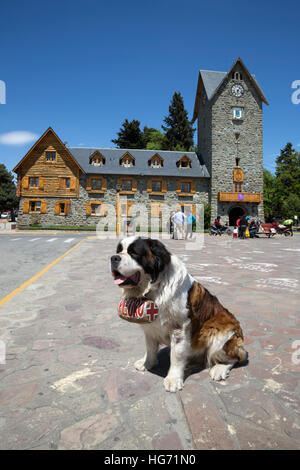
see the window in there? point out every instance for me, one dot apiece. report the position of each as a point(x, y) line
point(97, 184)
point(68, 182)
point(97, 209)
point(156, 161)
point(35, 206)
point(97, 159)
point(127, 160)
point(237, 76)
point(33, 182)
point(237, 162)
point(186, 187)
point(126, 185)
point(62, 207)
point(156, 186)
point(184, 162)
point(50, 156)
point(237, 113)
point(238, 187)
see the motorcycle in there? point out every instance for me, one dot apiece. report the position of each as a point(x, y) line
point(220, 230)
point(287, 231)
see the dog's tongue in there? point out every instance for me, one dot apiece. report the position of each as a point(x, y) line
point(120, 279)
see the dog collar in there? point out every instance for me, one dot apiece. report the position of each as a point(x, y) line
point(138, 310)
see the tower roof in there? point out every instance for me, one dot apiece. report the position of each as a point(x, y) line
point(212, 80)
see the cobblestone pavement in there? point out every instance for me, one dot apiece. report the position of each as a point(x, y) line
point(69, 380)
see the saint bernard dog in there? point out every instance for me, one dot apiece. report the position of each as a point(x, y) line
point(191, 321)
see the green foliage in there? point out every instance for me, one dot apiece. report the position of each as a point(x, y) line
point(282, 191)
point(153, 139)
point(291, 206)
point(130, 136)
point(269, 194)
point(178, 129)
point(207, 215)
point(8, 198)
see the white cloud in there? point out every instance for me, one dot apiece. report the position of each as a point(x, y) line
point(17, 138)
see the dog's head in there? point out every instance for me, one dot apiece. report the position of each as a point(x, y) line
point(138, 261)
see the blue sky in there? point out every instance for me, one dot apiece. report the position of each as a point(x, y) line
point(83, 66)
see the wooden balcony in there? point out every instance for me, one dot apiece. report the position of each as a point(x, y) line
point(239, 197)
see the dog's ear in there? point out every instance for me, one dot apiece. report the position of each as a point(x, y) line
point(158, 258)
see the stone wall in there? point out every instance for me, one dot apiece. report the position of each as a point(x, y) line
point(78, 216)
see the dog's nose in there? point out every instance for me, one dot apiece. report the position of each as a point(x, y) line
point(115, 260)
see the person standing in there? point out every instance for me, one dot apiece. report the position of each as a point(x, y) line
point(238, 227)
point(243, 225)
point(190, 221)
point(178, 219)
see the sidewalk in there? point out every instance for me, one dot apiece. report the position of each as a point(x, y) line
point(69, 380)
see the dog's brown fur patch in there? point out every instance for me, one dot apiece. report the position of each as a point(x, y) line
point(209, 318)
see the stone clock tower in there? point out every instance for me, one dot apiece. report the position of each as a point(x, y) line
point(228, 107)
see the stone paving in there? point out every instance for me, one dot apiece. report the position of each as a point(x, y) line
point(69, 380)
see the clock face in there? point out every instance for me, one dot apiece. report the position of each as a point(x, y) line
point(237, 90)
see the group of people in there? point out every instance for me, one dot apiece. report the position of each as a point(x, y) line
point(181, 225)
point(243, 224)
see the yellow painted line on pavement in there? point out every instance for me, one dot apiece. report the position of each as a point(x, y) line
point(36, 276)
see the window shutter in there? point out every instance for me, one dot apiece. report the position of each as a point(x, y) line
point(89, 208)
point(103, 210)
point(178, 186)
point(104, 184)
point(164, 186)
point(193, 186)
point(61, 183)
point(25, 207)
point(41, 183)
point(67, 207)
point(73, 183)
point(43, 207)
point(56, 208)
point(25, 182)
point(149, 185)
point(88, 184)
point(134, 185)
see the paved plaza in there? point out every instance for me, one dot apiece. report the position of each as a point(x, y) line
point(69, 382)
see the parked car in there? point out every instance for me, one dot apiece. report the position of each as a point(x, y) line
point(5, 215)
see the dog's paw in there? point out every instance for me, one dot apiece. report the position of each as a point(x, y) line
point(173, 384)
point(220, 371)
point(142, 365)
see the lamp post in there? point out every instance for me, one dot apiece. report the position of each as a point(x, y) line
point(118, 186)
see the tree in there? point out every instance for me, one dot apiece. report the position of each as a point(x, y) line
point(269, 194)
point(288, 171)
point(8, 198)
point(178, 129)
point(291, 206)
point(153, 139)
point(130, 135)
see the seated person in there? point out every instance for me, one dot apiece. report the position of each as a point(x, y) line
point(252, 228)
point(217, 222)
